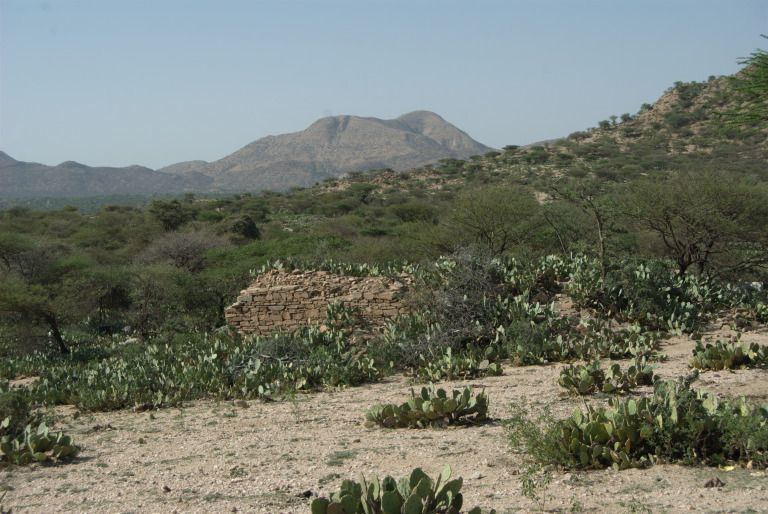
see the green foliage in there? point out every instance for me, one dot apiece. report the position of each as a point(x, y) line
point(676, 424)
point(168, 372)
point(590, 378)
point(752, 85)
point(416, 494)
point(171, 214)
point(432, 407)
point(650, 293)
point(496, 219)
point(245, 227)
point(532, 480)
point(710, 220)
point(719, 355)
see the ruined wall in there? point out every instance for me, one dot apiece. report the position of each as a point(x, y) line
point(280, 300)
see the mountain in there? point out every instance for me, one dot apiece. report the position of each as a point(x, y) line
point(333, 146)
point(71, 179)
point(6, 160)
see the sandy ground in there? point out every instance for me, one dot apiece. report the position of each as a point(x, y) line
point(261, 457)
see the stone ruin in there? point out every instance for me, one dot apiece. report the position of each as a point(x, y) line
point(284, 301)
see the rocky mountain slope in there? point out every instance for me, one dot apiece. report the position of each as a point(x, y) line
point(336, 145)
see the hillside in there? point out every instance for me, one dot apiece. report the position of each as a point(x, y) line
point(687, 128)
point(333, 146)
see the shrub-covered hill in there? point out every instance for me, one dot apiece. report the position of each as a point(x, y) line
point(691, 126)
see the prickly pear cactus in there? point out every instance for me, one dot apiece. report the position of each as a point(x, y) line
point(719, 355)
point(588, 379)
point(34, 445)
point(416, 494)
point(431, 407)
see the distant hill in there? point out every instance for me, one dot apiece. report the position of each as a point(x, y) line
point(71, 179)
point(333, 146)
point(330, 147)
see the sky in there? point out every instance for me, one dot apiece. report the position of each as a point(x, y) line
point(154, 82)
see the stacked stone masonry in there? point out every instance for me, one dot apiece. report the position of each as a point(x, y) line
point(285, 301)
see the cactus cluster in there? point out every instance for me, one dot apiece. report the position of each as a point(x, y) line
point(416, 494)
point(676, 424)
point(761, 312)
point(451, 366)
point(720, 355)
point(432, 407)
point(600, 341)
point(34, 445)
point(591, 378)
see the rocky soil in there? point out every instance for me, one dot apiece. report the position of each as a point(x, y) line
point(266, 457)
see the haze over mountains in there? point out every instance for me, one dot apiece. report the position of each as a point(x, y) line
point(330, 147)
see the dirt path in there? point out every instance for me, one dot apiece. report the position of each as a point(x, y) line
point(220, 457)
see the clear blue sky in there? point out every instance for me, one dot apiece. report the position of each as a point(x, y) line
point(153, 82)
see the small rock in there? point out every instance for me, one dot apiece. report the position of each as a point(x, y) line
point(166, 489)
point(306, 494)
point(714, 482)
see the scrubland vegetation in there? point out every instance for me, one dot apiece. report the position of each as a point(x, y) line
point(654, 225)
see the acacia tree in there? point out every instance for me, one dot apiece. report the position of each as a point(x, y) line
point(703, 219)
point(752, 85)
point(43, 283)
point(590, 196)
point(497, 219)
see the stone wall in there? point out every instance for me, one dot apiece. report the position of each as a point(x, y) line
point(280, 300)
